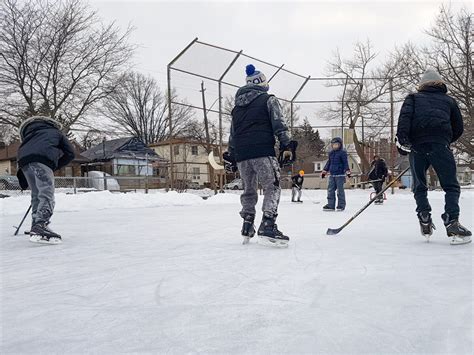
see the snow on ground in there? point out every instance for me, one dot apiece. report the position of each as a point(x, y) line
point(166, 273)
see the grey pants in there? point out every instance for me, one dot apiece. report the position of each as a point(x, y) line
point(295, 192)
point(41, 182)
point(266, 171)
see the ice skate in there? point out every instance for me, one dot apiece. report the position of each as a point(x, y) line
point(426, 225)
point(328, 208)
point(248, 228)
point(456, 231)
point(270, 235)
point(40, 233)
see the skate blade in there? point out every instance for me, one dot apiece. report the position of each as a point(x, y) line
point(246, 240)
point(262, 240)
point(38, 240)
point(459, 241)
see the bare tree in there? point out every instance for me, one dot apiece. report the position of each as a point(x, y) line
point(57, 59)
point(364, 93)
point(450, 51)
point(138, 107)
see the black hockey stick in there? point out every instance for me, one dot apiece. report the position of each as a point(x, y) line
point(21, 223)
point(331, 231)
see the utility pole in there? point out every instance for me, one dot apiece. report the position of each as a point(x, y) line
point(392, 133)
point(208, 138)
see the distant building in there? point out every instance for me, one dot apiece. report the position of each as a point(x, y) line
point(190, 159)
point(125, 157)
point(8, 162)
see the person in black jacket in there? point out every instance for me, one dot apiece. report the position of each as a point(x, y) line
point(378, 173)
point(297, 186)
point(430, 120)
point(256, 119)
point(44, 149)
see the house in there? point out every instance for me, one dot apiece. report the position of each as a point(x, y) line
point(190, 159)
point(124, 157)
point(8, 163)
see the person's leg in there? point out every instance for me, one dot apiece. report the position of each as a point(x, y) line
point(293, 194)
point(332, 192)
point(45, 184)
point(268, 172)
point(30, 176)
point(419, 164)
point(299, 194)
point(341, 195)
point(249, 197)
point(442, 160)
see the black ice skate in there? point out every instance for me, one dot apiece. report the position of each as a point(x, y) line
point(340, 209)
point(426, 224)
point(458, 233)
point(328, 208)
point(248, 228)
point(379, 200)
point(40, 233)
point(270, 235)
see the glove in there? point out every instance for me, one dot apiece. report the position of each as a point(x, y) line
point(230, 165)
point(323, 174)
point(287, 154)
point(22, 179)
point(348, 173)
point(403, 149)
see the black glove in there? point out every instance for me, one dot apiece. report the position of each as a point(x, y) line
point(403, 149)
point(287, 154)
point(22, 179)
point(230, 165)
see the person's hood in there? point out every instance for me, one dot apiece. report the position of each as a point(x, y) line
point(433, 87)
point(36, 123)
point(248, 93)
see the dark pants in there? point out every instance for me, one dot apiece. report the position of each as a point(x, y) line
point(378, 187)
point(442, 160)
point(336, 183)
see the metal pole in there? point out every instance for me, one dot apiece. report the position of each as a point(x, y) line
point(392, 133)
point(170, 114)
point(275, 73)
point(210, 169)
point(342, 108)
point(292, 101)
point(219, 87)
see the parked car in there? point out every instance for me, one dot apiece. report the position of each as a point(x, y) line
point(236, 184)
point(9, 183)
point(192, 185)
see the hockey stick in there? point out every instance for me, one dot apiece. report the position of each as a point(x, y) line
point(21, 223)
point(335, 231)
point(309, 198)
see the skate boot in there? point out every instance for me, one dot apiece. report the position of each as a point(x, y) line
point(40, 233)
point(426, 224)
point(328, 208)
point(379, 200)
point(248, 228)
point(270, 235)
point(340, 209)
point(458, 233)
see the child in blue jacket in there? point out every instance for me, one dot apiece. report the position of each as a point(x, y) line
point(338, 167)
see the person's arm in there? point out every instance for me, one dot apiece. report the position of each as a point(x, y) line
point(345, 161)
point(68, 152)
point(404, 120)
point(279, 126)
point(457, 123)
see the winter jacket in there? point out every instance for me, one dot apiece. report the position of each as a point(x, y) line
point(429, 116)
point(337, 163)
point(43, 142)
point(256, 119)
point(297, 181)
point(378, 170)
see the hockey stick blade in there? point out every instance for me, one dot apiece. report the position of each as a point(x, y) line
point(331, 231)
point(215, 165)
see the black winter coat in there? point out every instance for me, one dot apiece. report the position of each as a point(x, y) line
point(297, 181)
point(44, 143)
point(378, 170)
point(429, 116)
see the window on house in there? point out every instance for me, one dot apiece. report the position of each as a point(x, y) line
point(176, 150)
point(196, 173)
point(318, 166)
point(194, 150)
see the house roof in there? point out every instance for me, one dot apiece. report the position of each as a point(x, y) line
point(129, 148)
point(10, 152)
point(181, 141)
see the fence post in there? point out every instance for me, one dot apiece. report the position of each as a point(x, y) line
point(74, 184)
point(105, 182)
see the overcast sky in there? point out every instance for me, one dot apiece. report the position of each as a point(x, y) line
point(303, 35)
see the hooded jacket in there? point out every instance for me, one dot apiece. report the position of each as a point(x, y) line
point(429, 116)
point(337, 163)
point(256, 119)
point(43, 142)
point(378, 170)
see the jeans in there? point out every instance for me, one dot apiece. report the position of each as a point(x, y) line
point(266, 171)
point(41, 182)
point(442, 160)
point(336, 183)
